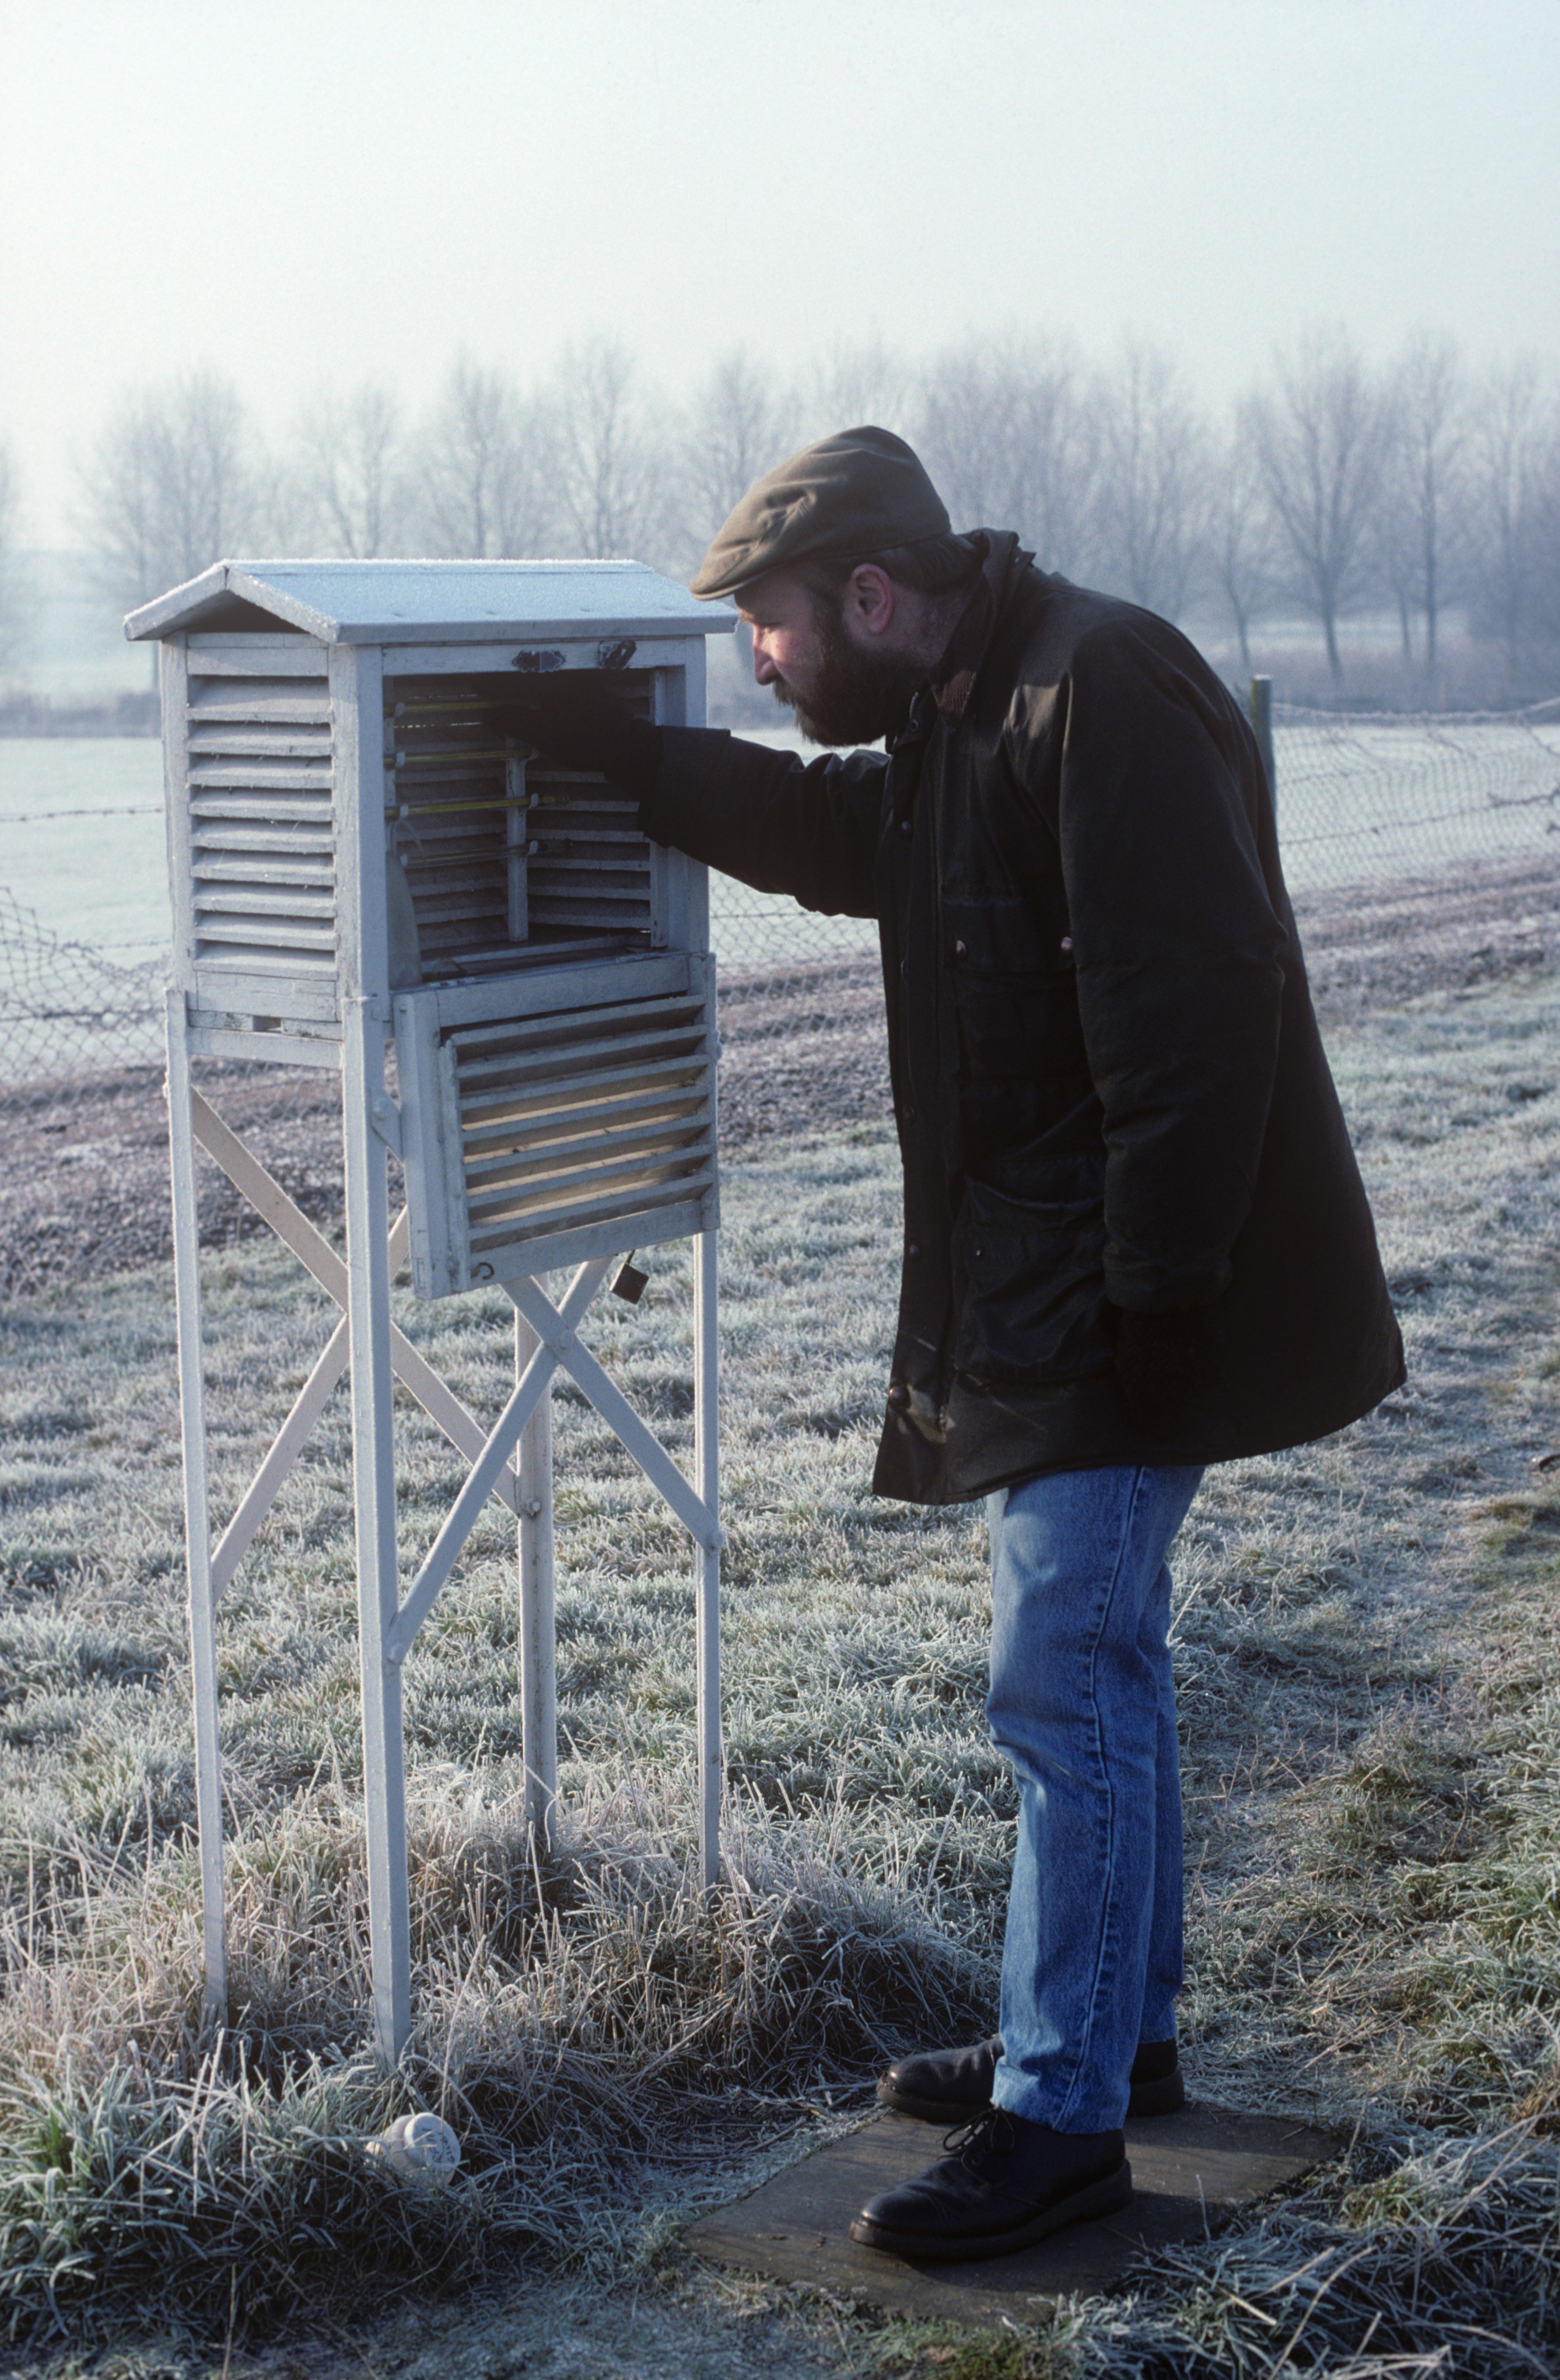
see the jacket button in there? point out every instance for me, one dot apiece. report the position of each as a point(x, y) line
point(906, 827)
point(912, 1250)
point(909, 1114)
point(898, 1394)
point(1067, 941)
point(961, 950)
point(978, 1251)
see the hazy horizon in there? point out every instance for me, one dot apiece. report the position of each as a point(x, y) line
point(294, 198)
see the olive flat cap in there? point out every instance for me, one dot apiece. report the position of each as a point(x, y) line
point(861, 491)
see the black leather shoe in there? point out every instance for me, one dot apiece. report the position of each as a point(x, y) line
point(1006, 2184)
point(943, 2086)
point(950, 2086)
point(1155, 2084)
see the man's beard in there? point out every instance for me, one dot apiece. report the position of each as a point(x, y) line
point(856, 696)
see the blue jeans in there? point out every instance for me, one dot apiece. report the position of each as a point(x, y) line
point(1083, 1704)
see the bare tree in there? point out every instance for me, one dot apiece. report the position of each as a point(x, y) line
point(1506, 445)
point(856, 383)
point(1006, 436)
point(742, 420)
point(173, 484)
point(481, 473)
point(1243, 557)
point(1421, 514)
point(1321, 436)
point(1544, 542)
point(1152, 490)
point(1392, 543)
point(614, 459)
point(348, 473)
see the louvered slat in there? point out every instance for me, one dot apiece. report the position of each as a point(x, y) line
point(599, 1036)
point(256, 808)
point(561, 1127)
point(561, 1077)
point(281, 742)
point(267, 868)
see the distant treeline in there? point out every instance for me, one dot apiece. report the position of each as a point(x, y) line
point(1333, 487)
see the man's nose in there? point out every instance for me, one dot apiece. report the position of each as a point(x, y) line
point(763, 668)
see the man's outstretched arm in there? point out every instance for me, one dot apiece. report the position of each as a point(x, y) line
point(783, 825)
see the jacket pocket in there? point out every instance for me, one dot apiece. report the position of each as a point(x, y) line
point(1029, 1279)
point(1018, 1027)
point(1015, 994)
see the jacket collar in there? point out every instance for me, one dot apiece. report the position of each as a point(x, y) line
point(953, 680)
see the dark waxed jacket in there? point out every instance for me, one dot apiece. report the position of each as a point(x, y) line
point(1110, 1087)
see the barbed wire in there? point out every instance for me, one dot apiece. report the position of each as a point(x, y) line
point(117, 810)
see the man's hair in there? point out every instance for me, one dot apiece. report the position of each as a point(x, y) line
point(933, 565)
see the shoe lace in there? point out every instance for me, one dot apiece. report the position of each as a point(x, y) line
point(991, 2131)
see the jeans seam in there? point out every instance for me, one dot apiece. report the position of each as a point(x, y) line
point(1124, 1540)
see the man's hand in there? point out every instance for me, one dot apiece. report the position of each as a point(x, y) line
point(1165, 1365)
point(582, 729)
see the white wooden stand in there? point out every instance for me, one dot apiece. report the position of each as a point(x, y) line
point(596, 1055)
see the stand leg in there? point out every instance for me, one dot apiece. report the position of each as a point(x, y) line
point(196, 1516)
point(373, 1484)
point(707, 1600)
point(539, 1637)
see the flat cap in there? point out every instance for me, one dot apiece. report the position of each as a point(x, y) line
point(860, 492)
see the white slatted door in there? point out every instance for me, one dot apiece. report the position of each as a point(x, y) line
point(542, 1139)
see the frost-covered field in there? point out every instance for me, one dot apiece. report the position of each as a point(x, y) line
point(1370, 1698)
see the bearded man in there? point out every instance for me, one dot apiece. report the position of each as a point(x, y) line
point(1135, 1240)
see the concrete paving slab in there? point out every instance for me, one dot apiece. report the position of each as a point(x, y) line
point(1189, 2170)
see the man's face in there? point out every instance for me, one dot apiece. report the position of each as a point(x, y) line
point(843, 687)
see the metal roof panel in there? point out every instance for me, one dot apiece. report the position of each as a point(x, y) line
point(386, 603)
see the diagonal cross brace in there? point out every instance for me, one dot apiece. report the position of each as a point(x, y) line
point(491, 1473)
point(461, 1518)
point(559, 1349)
point(295, 1230)
point(333, 1360)
point(701, 1523)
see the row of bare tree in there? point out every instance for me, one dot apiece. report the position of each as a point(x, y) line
point(1331, 488)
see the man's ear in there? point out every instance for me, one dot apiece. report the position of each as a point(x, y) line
point(869, 604)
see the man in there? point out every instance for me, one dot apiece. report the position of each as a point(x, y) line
point(1136, 1241)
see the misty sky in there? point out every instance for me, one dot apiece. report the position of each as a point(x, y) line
point(298, 191)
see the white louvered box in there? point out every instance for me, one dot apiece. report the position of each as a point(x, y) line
point(553, 999)
point(367, 861)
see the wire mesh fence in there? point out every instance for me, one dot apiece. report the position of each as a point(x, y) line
point(1421, 849)
point(1363, 800)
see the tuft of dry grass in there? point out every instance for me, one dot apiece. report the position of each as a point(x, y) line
point(594, 2026)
